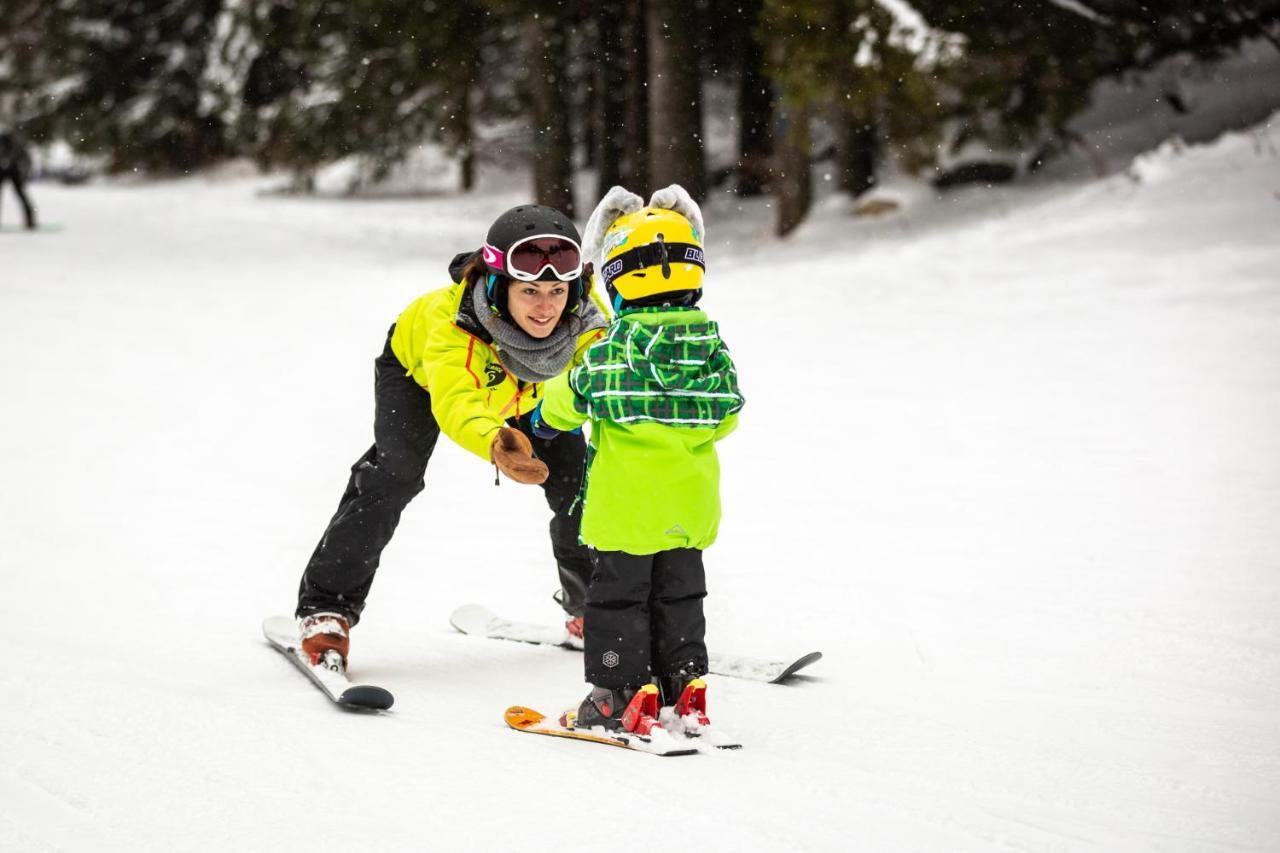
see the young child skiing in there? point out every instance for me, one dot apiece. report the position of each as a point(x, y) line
point(659, 389)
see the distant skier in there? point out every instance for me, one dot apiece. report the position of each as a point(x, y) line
point(15, 168)
point(659, 389)
point(468, 360)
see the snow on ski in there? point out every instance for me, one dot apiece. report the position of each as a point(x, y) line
point(477, 620)
point(282, 633)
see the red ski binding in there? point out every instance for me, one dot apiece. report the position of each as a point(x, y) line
point(693, 701)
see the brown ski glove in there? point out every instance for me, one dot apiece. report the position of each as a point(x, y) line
point(512, 453)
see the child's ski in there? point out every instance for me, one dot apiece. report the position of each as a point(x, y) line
point(282, 633)
point(482, 622)
point(660, 743)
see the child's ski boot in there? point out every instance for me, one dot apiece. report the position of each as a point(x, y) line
point(617, 710)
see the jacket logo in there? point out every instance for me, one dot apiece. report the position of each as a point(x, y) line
point(493, 374)
point(676, 530)
point(610, 659)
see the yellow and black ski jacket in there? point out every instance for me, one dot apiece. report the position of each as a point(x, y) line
point(444, 348)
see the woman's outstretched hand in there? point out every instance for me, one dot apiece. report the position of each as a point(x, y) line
point(513, 454)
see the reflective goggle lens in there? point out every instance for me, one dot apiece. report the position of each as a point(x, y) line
point(531, 257)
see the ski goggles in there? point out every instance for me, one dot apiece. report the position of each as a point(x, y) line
point(529, 257)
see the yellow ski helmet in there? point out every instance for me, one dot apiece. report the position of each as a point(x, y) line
point(652, 253)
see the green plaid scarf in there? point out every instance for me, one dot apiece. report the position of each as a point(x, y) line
point(679, 374)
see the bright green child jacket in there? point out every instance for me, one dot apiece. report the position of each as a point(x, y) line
point(659, 389)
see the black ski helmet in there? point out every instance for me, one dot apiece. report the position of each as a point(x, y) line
point(512, 226)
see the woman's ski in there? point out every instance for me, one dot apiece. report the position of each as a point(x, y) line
point(282, 633)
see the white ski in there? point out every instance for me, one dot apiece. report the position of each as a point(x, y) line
point(479, 621)
point(282, 633)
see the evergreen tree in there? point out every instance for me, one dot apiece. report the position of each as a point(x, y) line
point(173, 84)
point(30, 61)
point(852, 62)
point(1022, 75)
point(1145, 33)
point(127, 81)
point(330, 79)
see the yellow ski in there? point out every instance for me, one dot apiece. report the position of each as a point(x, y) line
point(528, 720)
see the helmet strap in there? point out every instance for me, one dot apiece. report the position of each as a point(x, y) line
point(660, 253)
point(496, 295)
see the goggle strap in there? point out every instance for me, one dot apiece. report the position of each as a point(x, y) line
point(652, 255)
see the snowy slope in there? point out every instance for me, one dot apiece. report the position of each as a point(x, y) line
point(1011, 460)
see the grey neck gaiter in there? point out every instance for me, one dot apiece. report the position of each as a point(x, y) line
point(536, 359)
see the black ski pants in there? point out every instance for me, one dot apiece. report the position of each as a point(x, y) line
point(644, 617)
point(391, 473)
point(14, 176)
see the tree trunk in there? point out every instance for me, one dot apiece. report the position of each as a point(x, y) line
point(755, 108)
point(552, 136)
point(584, 81)
point(857, 152)
point(611, 91)
point(465, 139)
point(635, 118)
point(793, 185)
point(675, 98)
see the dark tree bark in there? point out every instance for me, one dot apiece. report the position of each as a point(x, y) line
point(465, 138)
point(675, 98)
point(584, 73)
point(611, 95)
point(467, 86)
point(793, 184)
point(857, 153)
point(552, 137)
point(755, 107)
point(635, 110)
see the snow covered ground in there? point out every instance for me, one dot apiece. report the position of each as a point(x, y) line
point(1010, 459)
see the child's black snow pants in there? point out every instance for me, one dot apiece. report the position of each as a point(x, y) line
point(644, 617)
point(390, 474)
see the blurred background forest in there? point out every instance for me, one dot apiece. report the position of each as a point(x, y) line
point(608, 92)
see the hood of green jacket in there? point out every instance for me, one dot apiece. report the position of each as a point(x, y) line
point(663, 366)
point(677, 357)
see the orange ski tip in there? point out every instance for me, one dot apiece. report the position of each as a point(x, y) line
point(520, 717)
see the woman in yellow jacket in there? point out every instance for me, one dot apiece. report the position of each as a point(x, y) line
point(467, 360)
